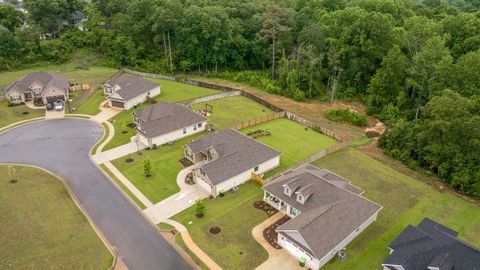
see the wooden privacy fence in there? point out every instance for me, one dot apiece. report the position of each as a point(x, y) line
point(210, 98)
point(83, 86)
point(258, 120)
point(311, 125)
point(257, 179)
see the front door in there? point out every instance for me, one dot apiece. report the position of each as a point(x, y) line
point(28, 96)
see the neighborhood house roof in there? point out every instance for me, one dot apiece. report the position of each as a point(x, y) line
point(163, 117)
point(237, 153)
point(131, 86)
point(432, 245)
point(44, 79)
point(332, 209)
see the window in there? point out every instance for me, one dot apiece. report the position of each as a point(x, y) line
point(287, 191)
point(199, 125)
point(184, 131)
point(300, 198)
point(194, 128)
point(108, 90)
point(15, 98)
point(295, 212)
point(255, 169)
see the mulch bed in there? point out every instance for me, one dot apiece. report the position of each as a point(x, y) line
point(189, 179)
point(25, 113)
point(124, 132)
point(267, 208)
point(215, 230)
point(131, 125)
point(199, 215)
point(129, 160)
point(271, 235)
point(185, 162)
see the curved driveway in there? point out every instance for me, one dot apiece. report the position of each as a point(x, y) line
point(62, 146)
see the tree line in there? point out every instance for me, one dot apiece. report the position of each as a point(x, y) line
point(414, 63)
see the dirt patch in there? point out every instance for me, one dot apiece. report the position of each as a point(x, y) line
point(185, 162)
point(215, 230)
point(271, 235)
point(199, 215)
point(25, 113)
point(124, 132)
point(267, 208)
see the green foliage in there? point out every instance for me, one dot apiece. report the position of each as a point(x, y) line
point(200, 206)
point(147, 167)
point(347, 116)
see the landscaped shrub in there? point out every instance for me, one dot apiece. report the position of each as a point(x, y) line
point(347, 116)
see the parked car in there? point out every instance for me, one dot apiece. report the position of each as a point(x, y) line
point(58, 105)
point(49, 107)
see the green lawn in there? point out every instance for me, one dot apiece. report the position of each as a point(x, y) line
point(123, 187)
point(165, 167)
point(91, 105)
point(179, 241)
point(292, 140)
point(42, 227)
point(405, 201)
point(230, 111)
point(236, 217)
point(92, 74)
point(10, 115)
point(170, 91)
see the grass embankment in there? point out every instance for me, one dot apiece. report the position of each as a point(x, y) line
point(405, 200)
point(10, 115)
point(234, 247)
point(230, 111)
point(42, 227)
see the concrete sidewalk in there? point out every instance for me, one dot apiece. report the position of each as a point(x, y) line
point(117, 152)
point(178, 202)
point(277, 258)
point(106, 113)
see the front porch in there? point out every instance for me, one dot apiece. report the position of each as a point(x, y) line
point(276, 202)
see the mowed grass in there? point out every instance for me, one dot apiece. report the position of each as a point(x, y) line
point(165, 168)
point(94, 74)
point(42, 227)
point(236, 217)
point(292, 140)
point(170, 91)
point(405, 201)
point(230, 111)
point(91, 105)
point(10, 115)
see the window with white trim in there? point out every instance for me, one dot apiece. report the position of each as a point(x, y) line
point(286, 190)
point(184, 131)
point(200, 125)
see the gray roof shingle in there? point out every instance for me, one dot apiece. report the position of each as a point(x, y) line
point(164, 117)
point(131, 86)
point(332, 210)
point(431, 244)
point(47, 80)
point(237, 153)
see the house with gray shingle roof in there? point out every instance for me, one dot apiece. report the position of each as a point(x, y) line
point(229, 158)
point(327, 212)
point(164, 122)
point(431, 246)
point(39, 88)
point(128, 91)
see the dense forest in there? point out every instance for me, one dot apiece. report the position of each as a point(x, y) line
point(415, 64)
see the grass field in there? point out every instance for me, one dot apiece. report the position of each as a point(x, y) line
point(292, 140)
point(171, 92)
point(405, 201)
point(10, 115)
point(179, 241)
point(123, 187)
point(42, 227)
point(91, 105)
point(232, 110)
point(75, 74)
point(165, 167)
point(234, 247)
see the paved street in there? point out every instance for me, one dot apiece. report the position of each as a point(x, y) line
point(62, 146)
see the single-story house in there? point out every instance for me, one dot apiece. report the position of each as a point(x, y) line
point(78, 19)
point(229, 158)
point(431, 246)
point(164, 122)
point(327, 212)
point(128, 91)
point(39, 87)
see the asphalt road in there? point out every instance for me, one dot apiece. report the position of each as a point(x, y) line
point(62, 146)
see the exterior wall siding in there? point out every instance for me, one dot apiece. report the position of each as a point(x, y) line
point(141, 98)
point(246, 175)
point(298, 253)
point(178, 134)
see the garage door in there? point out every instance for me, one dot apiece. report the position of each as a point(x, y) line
point(117, 104)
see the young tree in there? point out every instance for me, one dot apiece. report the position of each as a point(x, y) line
point(147, 167)
point(273, 25)
point(200, 207)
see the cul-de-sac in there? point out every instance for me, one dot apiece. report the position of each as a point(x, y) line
point(240, 135)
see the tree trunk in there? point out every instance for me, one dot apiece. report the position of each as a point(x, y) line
point(273, 58)
point(216, 66)
point(165, 49)
point(170, 52)
point(311, 82)
point(336, 77)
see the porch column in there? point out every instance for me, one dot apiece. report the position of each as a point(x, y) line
point(264, 196)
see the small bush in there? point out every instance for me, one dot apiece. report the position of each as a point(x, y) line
point(347, 116)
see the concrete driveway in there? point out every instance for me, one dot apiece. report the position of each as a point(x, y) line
point(62, 146)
